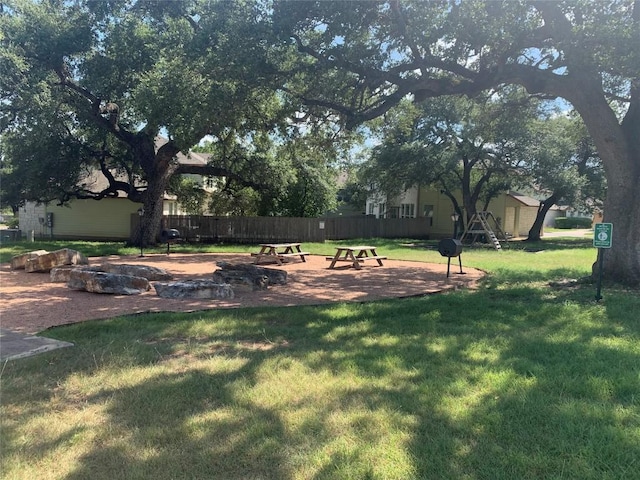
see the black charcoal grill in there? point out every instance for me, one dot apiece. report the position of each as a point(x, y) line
point(169, 236)
point(451, 247)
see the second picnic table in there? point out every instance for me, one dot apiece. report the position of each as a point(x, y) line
point(278, 252)
point(355, 255)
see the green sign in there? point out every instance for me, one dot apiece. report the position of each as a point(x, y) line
point(602, 235)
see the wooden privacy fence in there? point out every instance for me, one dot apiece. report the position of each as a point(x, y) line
point(288, 229)
point(339, 228)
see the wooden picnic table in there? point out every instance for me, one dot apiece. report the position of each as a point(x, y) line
point(355, 255)
point(278, 252)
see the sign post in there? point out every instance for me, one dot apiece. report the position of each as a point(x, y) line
point(602, 238)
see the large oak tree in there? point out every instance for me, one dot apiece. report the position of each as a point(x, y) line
point(477, 147)
point(363, 58)
point(89, 86)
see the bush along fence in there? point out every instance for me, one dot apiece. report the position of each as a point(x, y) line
point(287, 229)
point(573, 222)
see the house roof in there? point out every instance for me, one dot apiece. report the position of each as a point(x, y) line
point(193, 158)
point(95, 180)
point(525, 200)
point(190, 158)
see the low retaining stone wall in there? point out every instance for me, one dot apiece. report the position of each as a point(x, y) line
point(102, 282)
point(44, 261)
point(242, 274)
point(194, 289)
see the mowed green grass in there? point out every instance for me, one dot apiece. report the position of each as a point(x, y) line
point(513, 380)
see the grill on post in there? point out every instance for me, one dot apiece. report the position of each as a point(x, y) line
point(451, 247)
point(169, 236)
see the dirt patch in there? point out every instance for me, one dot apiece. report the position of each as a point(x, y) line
point(31, 303)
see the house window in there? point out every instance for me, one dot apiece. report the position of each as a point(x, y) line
point(428, 212)
point(407, 210)
point(382, 210)
point(370, 210)
point(210, 182)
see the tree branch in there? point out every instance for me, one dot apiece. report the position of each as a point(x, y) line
point(402, 24)
point(213, 171)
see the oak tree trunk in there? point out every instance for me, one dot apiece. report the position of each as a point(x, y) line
point(158, 167)
point(622, 209)
point(618, 145)
point(535, 232)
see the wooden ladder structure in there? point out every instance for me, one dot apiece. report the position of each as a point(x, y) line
point(479, 225)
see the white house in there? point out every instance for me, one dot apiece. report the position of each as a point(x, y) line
point(515, 212)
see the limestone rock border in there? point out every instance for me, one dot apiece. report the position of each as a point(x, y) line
point(242, 274)
point(64, 256)
point(194, 289)
point(103, 282)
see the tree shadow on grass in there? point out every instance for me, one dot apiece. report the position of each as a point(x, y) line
point(507, 277)
point(516, 383)
point(202, 432)
point(557, 403)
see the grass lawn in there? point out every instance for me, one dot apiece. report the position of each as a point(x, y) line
point(515, 380)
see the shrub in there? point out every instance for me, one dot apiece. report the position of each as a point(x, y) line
point(573, 222)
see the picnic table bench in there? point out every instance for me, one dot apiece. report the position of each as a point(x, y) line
point(278, 252)
point(355, 255)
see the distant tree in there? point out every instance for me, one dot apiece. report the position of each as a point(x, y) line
point(190, 194)
point(363, 58)
point(300, 165)
point(314, 157)
point(354, 192)
point(244, 201)
point(11, 195)
point(566, 166)
point(475, 146)
point(253, 157)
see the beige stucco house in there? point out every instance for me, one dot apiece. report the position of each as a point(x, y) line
point(105, 219)
point(515, 212)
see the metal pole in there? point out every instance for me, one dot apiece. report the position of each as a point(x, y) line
point(141, 224)
point(141, 237)
point(600, 269)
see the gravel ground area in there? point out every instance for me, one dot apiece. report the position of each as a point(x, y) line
point(30, 303)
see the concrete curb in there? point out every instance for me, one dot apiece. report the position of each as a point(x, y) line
point(16, 345)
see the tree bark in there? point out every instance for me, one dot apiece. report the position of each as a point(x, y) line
point(618, 145)
point(158, 168)
point(151, 225)
point(460, 224)
point(617, 142)
point(468, 199)
point(619, 148)
point(535, 232)
point(622, 209)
